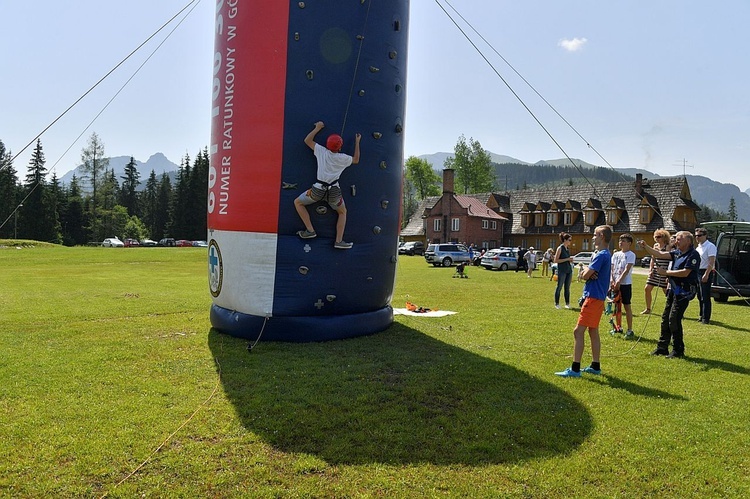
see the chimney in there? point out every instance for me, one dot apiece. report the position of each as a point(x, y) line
point(448, 180)
point(639, 184)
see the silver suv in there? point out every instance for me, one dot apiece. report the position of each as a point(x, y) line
point(446, 254)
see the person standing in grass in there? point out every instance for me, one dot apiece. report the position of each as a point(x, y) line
point(622, 279)
point(707, 250)
point(546, 259)
point(597, 277)
point(683, 286)
point(564, 268)
point(661, 243)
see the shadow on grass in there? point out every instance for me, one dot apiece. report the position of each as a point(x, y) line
point(635, 389)
point(397, 397)
point(708, 364)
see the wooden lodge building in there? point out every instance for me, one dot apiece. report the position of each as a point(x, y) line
point(535, 217)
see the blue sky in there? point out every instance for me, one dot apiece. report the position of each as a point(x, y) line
point(647, 84)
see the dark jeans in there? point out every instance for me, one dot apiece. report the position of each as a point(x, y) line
point(704, 297)
point(563, 278)
point(671, 324)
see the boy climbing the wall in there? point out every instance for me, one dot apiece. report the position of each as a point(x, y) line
point(331, 163)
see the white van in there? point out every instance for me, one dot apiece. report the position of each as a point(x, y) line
point(732, 259)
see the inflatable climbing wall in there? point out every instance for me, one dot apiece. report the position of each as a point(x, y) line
point(279, 67)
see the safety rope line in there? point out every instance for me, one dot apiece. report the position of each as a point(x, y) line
point(518, 97)
point(166, 440)
point(356, 66)
point(104, 78)
point(153, 52)
point(588, 144)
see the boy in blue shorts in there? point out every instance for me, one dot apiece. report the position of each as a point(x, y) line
point(597, 277)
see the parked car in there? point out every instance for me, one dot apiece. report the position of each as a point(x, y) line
point(200, 244)
point(167, 241)
point(183, 243)
point(646, 261)
point(113, 242)
point(446, 254)
point(583, 257)
point(148, 242)
point(500, 259)
point(732, 276)
point(412, 248)
point(131, 243)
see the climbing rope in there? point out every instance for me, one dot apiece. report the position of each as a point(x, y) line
point(361, 38)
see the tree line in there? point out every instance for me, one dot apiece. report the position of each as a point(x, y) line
point(99, 204)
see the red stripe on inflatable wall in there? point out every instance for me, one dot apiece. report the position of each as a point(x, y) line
point(247, 124)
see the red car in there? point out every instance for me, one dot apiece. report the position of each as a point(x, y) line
point(131, 242)
point(184, 242)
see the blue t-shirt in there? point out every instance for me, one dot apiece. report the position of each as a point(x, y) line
point(602, 263)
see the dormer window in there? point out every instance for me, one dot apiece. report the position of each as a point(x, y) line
point(526, 219)
point(553, 218)
point(645, 214)
point(612, 217)
point(539, 219)
point(590, 217)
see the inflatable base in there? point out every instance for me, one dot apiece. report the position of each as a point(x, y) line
point(300, 329)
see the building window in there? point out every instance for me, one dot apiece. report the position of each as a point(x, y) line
point(552, 219)
point(455, 225)
point(568, 218)
point(526, 219)
point(494, 225)
point(585, 244)
point(591, 217)
point(645, 214)
point(436, 225)
point(485, 224)
point(612, 217)
point(539, 220)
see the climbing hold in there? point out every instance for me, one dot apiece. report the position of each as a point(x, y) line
point(321, 210)
point(376, 135)
point(360, 37)
point(296, 36)
point(330, 297)
point(301, 5)
point(399, 128)
point(309, 74)
point(354, 190)
point(304, 270)
point(383, 165)
point(373, 69)
point(287, 185)
point(384, 204)
point(392, 54)
point(376, 230)
point(361, 93)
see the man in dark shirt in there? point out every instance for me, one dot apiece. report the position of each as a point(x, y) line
point(683, 286)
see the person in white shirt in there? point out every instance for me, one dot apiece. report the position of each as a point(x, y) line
point(331, 163)
point(530, 258)
point(622, 279)
point(707, 250)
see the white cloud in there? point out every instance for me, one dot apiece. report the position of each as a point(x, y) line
point(572, 45)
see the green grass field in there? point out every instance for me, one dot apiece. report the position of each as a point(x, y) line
point(113, 383)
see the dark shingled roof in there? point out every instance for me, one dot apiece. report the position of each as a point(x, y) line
point(415, 226)
point(663, 194)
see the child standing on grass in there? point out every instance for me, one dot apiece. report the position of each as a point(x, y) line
point(622, 279)
point(597, 277)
